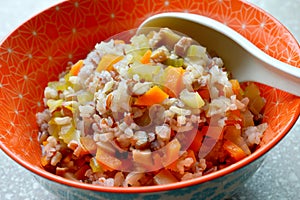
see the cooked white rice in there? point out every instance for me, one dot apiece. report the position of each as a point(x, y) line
point(93, 115)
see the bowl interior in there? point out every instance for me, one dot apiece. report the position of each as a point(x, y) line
point(39, 50)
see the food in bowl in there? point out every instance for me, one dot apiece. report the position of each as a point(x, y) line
point(156, 110)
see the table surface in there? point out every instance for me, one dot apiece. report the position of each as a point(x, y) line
point(279, 176)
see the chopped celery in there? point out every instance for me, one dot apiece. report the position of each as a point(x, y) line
point(145, 72)
point(257, 102)
point(175, 62)
point(197, 52)
point(139, 45)
point(140, 42)
point(191, 99)
point(84, 97)
point(59, 86)
point(54, 104)
point(95, 165)
point(53, 129)
point(68, 133)
point(166, 37)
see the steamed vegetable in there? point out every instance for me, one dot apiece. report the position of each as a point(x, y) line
point(173, 80)
point(144, 71)
point(153, 96)
point(146, 57)
point(157, 110)
point(107, 62)
point(76, 68)
point(191, 99)
point(234, 150)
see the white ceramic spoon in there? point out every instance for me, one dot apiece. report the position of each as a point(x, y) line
point(243, 59)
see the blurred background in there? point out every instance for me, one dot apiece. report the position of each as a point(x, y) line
point(277, 179)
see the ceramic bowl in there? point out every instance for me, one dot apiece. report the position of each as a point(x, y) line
point(37, 51)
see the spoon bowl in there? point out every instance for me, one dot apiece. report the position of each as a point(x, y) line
point(242, 59)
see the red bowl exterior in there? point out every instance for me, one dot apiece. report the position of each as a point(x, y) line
point(39, 50)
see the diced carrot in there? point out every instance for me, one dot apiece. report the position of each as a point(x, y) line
point(107, 161)
point(235, 86)
point(80, 173)
point(153, 96)
point(212, 135)
point(247, 118)
point(197, 141)
point(234, 151)
point(173, 80)
point(146, 57)
point(76, 68)
point(204, 93)
point(107, 62)
point(67, 158)
point(233, 134)
point(174, 165)
point(191, 154)
point(88, 144)
point(45, 161)
point(214, 132)
point(252, 91)
point(164, 177)
point(233, 117)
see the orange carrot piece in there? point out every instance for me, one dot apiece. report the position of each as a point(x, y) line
point(234, 151)
point(173, 166)
point(173, 80)
point(197, 141)
point(235, 86)
point(80, 173)
point(214, 132)
point(204, 93)
point(107, 161)
point(45, 161)
point(233, 117)
point(191, 154)
point(76, 68)
point(153, 96)
point(146, 57)
point(164, 177)
point(107, 62)
point(247, 118)
point(88, 144)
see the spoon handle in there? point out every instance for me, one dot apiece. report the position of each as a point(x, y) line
point(260, 68)
point(287, 80)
